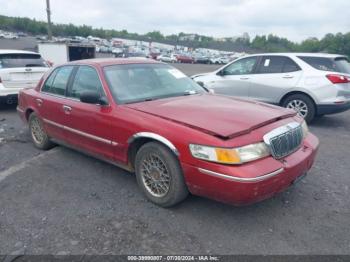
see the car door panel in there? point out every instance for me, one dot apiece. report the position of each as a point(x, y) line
point(269, 84)
point(231, 85)
point(50, 101)
point(88, 126)
point(270, 88)
point(234, 79)
point(49, 110)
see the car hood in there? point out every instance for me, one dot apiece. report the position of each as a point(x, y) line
point(199, 75)
point(221, 116)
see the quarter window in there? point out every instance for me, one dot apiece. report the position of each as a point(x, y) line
point(339, 64)
point(86, 79)
point(241, 67)
point(58, 80)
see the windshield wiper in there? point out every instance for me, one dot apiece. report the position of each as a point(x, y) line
point(186, 93)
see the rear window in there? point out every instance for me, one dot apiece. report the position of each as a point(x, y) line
point(21, 60)
point(339, 64)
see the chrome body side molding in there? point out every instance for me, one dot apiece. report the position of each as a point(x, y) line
point(156, 137)
point(93, 137)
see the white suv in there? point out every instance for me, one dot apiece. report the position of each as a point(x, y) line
point(19, 69)
point(312, 84)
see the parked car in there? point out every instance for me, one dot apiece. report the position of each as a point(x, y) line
point(215, 60)
point(312, 84)
point(147, 117)
point(184, 59)
point(167, 58)
point(224, 60)
point(19, 69)
point(8, 35)
point(138, 55)
point(202, 60)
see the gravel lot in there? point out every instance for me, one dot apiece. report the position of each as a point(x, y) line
point(63, 202)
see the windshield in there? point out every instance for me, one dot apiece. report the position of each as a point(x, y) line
point(21, 60)
point(339, 64)
point(143, 82)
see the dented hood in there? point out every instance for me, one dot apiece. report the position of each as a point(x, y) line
point(221, 116)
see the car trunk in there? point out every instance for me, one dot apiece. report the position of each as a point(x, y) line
point(21, 77)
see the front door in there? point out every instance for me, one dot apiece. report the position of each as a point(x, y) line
point(234, 80)
point(88, 126)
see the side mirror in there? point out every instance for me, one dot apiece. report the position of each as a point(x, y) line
point(92, 97)
point(221, 72)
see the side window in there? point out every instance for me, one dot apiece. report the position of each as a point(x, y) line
point(48, 83)
point(276, 64)
point(58, 80)
point(86, 79)
point(241, 67)
point(290, 66)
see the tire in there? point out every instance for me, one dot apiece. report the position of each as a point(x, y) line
point(301, 102)
point(152, 159)
point(37, 133)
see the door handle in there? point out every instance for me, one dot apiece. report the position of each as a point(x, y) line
point(67, 109)
point(244, 78)
point(288, 76)
point(39, 101)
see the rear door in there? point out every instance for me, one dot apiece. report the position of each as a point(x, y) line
point(51, 99)
point(21, 70)
point(273, 77)
point(234, 80)
point(88, 126)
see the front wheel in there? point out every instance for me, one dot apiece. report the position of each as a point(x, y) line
point(159, 175)
point(302, 104)
point(39, 137)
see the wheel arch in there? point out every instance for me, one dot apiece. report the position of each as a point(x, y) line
point(28, 112)
point(139, 139)
point(296, 93)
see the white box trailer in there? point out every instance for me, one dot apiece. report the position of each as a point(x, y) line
point(59, 53)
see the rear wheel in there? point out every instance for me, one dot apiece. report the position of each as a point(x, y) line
point(159, 175)
point(302, 104)
point(39, 137)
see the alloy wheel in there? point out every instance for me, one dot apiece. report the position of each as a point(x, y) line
point(37, 131)
point(299, 106)
point(155, 175)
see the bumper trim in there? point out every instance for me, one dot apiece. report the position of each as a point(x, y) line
point(241, 179)
point(328, 109)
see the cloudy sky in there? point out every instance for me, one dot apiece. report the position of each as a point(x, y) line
point(294, 19)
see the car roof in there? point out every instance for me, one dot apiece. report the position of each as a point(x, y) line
point(114, 61)
point(13, 51)
point(300, 54)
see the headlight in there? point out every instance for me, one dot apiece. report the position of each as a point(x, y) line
point(237, 155)
point(305, 129)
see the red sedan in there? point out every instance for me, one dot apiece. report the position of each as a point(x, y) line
point(149, 118)
point(184, 59)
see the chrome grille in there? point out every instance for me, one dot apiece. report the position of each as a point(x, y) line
point(284, 140)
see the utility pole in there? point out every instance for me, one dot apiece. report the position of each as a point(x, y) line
point(48, 10)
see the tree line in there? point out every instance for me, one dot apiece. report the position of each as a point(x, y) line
point(330, 43)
